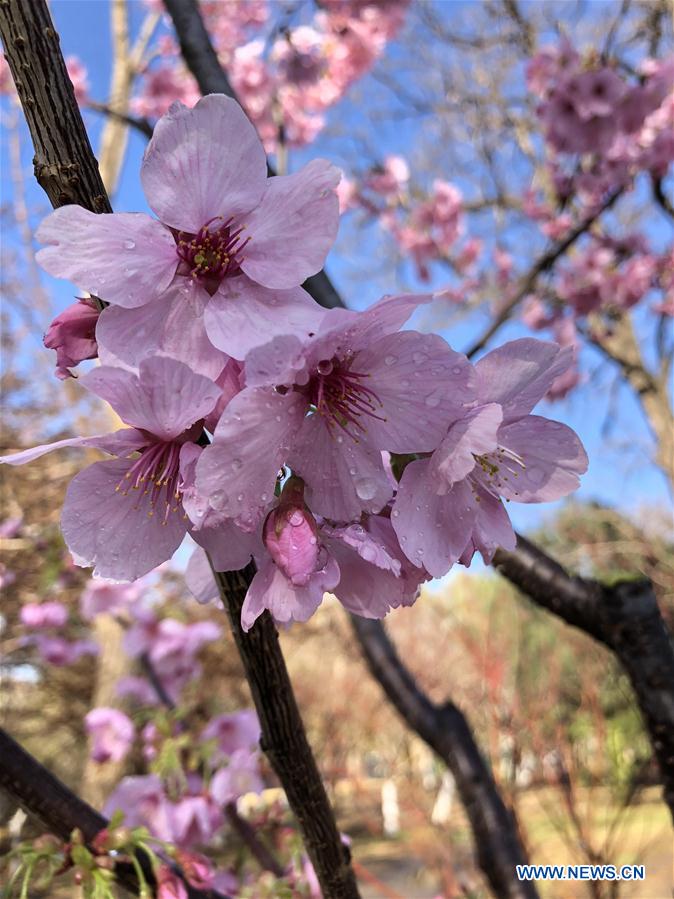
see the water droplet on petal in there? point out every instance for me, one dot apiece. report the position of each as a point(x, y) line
point(418, 358)
point(129, 244)
point(390, 360)
point(365, 488)
point(236, 464)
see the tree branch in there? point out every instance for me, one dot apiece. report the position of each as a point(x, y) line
point(284, 740)
point(65, 166)
point(625, 618)
point(543, 264)
point(43, 796)
point(445, 729)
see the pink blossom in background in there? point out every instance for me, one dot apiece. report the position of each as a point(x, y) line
point(43, 615)
point(112, 734)
point(138, 689)
point(73, 335)
point(197, 869)
point(160, 87)
point(106, 597)
point(144, 803)
point(238, 730)
point(11, 527)
point(6, 80)
point(566, 335)
point(60, 652)
point(241, 775)
point(77, 72)
point(390, 177)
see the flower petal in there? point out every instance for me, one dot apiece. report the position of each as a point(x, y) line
point(199, 578)
point(270, 589)
point(343, 477)
point(203, 162)
point(519, 373)
point(172, 325)
point(238, 471)
point(243, 315)
point(120, 534)
point(422, 386)
point(126, 258)
point(474, 434)
point(294, 226)
point(120, 443)
point(433, 529)
point(165, 398)
point(492, 529)
point(553, 455)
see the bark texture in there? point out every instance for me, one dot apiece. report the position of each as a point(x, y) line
point(284, 740)
point(65, 166)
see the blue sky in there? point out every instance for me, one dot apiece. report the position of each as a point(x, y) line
point(608, 419)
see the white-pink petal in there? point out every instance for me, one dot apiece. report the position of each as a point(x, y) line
point(518, 374)
point(243, 315)
point(422, 386)
point(553, 458)
point(343, 477)
point(433, 529)
point(294, 226)
point(122, 536)
point(238, 471)
point(172, 325)
point(125, 258)
point(203, 162)
point(165, 398)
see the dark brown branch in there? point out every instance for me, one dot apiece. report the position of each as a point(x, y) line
point(661, 197)
point(284, 740)
point(248, 836)
point(445, 729)
point(624, 617)
point(543, 264)
point(140, 124)
point(44, 797)
point(65, 166)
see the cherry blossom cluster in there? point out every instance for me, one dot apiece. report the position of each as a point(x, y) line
point(338, 451)
point(191, 775)
point(285, 75)
point(601, 126)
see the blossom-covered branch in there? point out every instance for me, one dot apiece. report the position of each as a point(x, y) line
point(46, 798)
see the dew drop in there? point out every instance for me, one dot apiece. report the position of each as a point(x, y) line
point(418, 358)
point(390, 360)
point(129, 244)
point(365, 488)
point(236, 464)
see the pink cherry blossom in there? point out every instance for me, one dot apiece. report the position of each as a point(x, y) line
point(162, 86)
point(78, 75)
point(58, 651)
point(449, 504)
point(126, 516)
point(367, 388)
point(101, 596)
point(43, 615)
point(241, 775)
point(229, 250)
point(239, 730)
point(390, 177)
point(169, 885)
point(197, 869)
point(112, 733)
point(73, 335)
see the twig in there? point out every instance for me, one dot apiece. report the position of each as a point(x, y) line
point(284, 740)
point(248, 836)
point(543, 264)
point(60, 811)
point(624, 617)
point(445, 729)
point(140, 124)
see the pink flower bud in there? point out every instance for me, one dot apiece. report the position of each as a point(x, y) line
point(290, 535)
point(73, 335)
point(169, 885)
point(196, 868)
